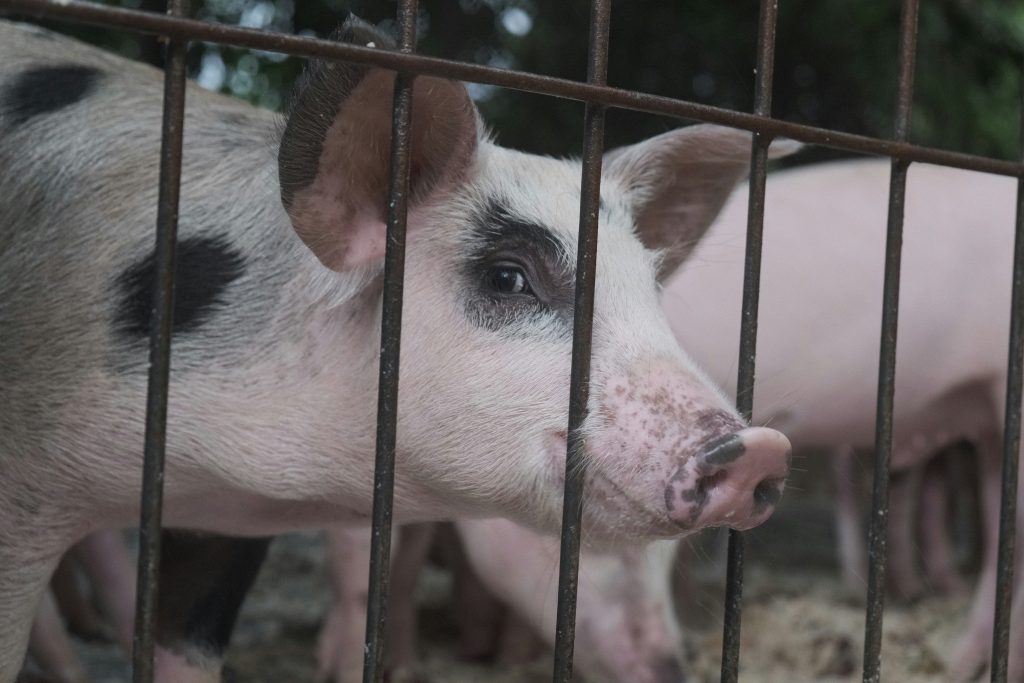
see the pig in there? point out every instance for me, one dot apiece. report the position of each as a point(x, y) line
point(820, 312)
point(817, 355)
point(919, 504)
point(626, 630)
point(276, 329)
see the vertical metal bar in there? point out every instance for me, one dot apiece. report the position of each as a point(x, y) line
point(748, 324)
point(159, 355)
point(887, 352)
point(390, 343)
point(583, 315)
point(1011, 442)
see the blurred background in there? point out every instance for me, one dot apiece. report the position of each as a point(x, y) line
point(835, 61)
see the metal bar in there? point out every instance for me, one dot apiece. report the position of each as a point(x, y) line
point(390, 344)
point(1011, 444)
point(748, 324)
point(583, 319)
point(887, 352)
point(145, 22)
point(151, 505)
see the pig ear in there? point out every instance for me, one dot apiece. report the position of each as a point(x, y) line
point(680, 180)
point(335, 151)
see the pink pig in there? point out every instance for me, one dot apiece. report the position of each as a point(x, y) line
point(821, 292)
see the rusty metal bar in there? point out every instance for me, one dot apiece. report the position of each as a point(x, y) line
point(151, 505)
point(583, 323)
point(748, 324)
point(1011, 444)
point(390, 343)
point(146, 22)
point(887, 352)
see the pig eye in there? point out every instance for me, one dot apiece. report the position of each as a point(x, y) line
point(507, 278)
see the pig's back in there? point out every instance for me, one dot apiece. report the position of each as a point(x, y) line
point(820, 308)
point(77, 234)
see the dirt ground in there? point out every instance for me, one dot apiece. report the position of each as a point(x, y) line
point(799, 625)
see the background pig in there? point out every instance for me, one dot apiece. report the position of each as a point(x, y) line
point(276, 326)
point(626, 630)
point(820, 316)
point(922, 497)
point(343, 634)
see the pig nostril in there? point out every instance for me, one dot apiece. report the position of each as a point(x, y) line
point(705, 484)
point(767, 494)
point(723, 450)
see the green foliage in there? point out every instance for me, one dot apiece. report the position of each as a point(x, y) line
point(835, 61)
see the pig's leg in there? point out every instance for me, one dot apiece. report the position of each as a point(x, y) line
point(939, 562)
point(849, 528)
point(406, 567)
point(973, 650)
point(476, 612)
point(110, 568)
point(76, 605)
point(203, 581)
point(50, 646)
point(340, 646)
point(26, 563)
point(902, 579)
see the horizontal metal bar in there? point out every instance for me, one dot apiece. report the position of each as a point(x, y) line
point(145, 22)
point(151, 504)
point(390, 346)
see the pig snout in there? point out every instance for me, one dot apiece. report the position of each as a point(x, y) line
point(703, 464)
point(733, 480)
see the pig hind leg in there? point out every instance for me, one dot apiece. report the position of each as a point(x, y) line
point(902, 579)
point(203, 580)
point(75, 604)
point(852, 543)
point(406, 566)
point(107, 562)
point(972, 652)
point(936, 546)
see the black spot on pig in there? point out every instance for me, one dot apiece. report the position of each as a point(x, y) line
point(46, 89)
point(203, 581)
point(205, 267)
point(516, 271)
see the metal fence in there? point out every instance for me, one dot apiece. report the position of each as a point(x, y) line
point(178, 29)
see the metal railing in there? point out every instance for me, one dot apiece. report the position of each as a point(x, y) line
point(598, 98)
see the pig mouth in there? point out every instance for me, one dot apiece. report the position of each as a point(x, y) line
point(611, 512)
